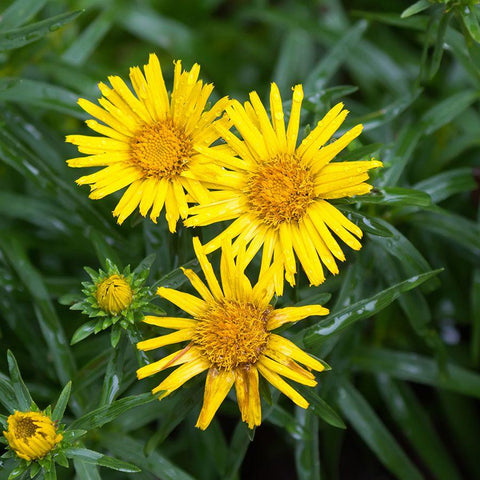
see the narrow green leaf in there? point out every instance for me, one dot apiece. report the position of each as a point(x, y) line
point(62, 402)
point(415, 8)
point(86, 471)
point(321, 408)
point(386, 114)
point(395, 196)
point(400, 155)
point(131, 450)
point(398, 246)
point(439, 44)
point(413, 420)
point(367, 223)
point(114, 373)
point(334, 323)
point(51, 474)
point(238, 448)
point(83, 332)
point(330, 63)
point(374, 433)
point(418, 368)
point(176, 278)
point(107, 413)
point(19, 37)
point(470, 20)
point(39, 94)
point(445, 184)
point(475, 299)
point(307, 459)
point(451, 226)
point(88, 40)
point(19, 13)
point(24, 398)
point(7, 394)
point(446, 110)
point(95, 458)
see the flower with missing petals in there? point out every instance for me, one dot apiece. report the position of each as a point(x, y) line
point(278, 193)
point(231, 335)
point(149, 141)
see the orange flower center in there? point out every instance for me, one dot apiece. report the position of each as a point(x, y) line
point(281, 190)
point(232, 334)
point(161, 150)
point(114, 294)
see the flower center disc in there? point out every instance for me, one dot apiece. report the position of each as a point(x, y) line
point(114, 294)
point(25, 428)
point(161, 150)
point(281, 190)
point(232, 334)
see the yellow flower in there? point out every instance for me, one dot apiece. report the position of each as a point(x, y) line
point(31, 435)
point(230, 335)
point(278, 193)
point(149, 141)
point(114, 294)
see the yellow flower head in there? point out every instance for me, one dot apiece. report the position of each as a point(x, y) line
point(114, 294)
point(31, 435)
point(230, 335)
point(278, 193)
point(149, 141)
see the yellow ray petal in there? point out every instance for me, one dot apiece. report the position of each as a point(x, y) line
point(159, 200)
point(278, 121)
point(175, 323)
point(294, 121)
point(190, 304)
point(197, 284)
point(187, 354)
point(156, 86)
point(286, 247)
point(99, 160)
point(129, 202)
point(319, 244)
point(305, 378)
point(319, 224)
point(308, 256)
point(282, 385)
point(175, 337)
point(294, 314)
point(288, 348)
point(181, 375)
point(107, 131)
point(207, 269)
point(150, 186)
point(217, 386)
point(171, 208)
point(270, 138)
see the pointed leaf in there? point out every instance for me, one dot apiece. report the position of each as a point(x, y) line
point(334, 323)
point(95, 458)
point(62, 402)
point(24, 398)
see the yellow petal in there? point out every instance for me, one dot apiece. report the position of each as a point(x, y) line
point(175, 337)
point(190, 304)
point(294, 314)
point(217, 386)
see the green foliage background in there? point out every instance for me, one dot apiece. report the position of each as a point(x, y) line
point(403, 338)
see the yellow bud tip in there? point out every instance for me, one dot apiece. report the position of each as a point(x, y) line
point(114, 294)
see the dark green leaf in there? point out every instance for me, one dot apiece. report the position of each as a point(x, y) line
point(24, 399)
point(321, 408)
point(374, 433)
point(62, 402)
point(330, 63)
point(338, 321)
point(470, 20)
point(86, 471)
point(446, 110)
point(7, 394)
point(95, 458)
point(83, 332)
point(40, 94)
point(19, 37)
point(417, 427)
point(475, 296)
point(446, 184)
point(415, 8)
point(131, 450)
point(307, 459)
point(367, 223)
point(417, 368)
point(20, 12)
point(395, 196)
point(105, 414)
